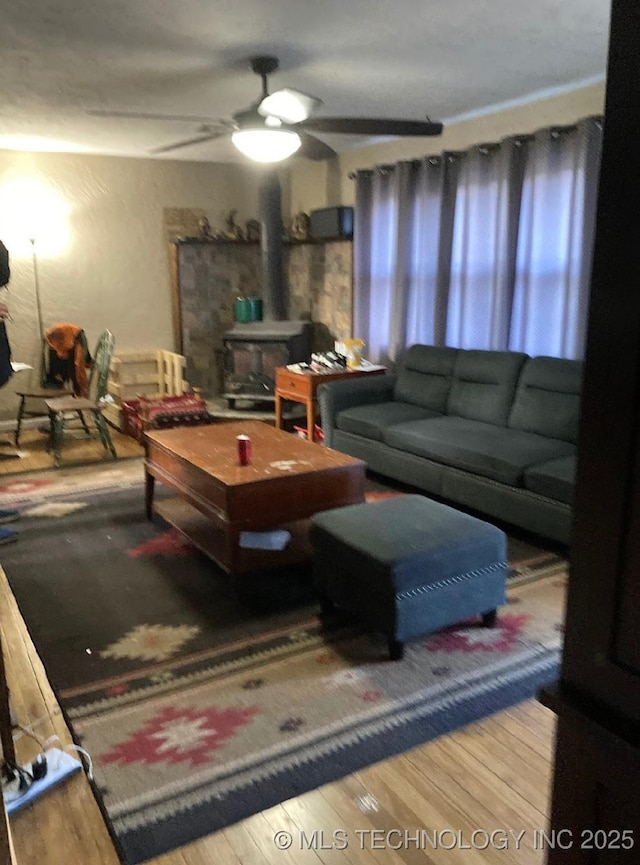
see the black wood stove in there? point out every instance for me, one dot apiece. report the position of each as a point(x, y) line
point(252, 351)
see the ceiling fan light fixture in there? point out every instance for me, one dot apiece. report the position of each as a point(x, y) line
point(266, 145)
point(291, 106)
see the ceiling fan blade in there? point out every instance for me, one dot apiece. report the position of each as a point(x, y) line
point(371, 126)
point(313, 148)
point(197, 139)
point(141, 115)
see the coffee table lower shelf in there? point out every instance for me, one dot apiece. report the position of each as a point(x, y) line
point(210, 539)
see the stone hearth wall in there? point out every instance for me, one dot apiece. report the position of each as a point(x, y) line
point(210, 275)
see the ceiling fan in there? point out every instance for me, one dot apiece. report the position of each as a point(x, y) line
point(279, 124)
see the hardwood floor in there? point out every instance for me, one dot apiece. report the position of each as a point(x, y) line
point(493, 776)
point(34, 456)
point(65, 825)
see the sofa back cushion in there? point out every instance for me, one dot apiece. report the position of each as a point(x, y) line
point(547, 400)
point(423, 376)
point(484, 383)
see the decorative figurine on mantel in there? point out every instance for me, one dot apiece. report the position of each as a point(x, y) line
point(232, 230)
point(252, 229)
point(204, 227)
point(300, 226)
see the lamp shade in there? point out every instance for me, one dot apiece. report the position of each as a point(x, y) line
point(266, 145)
point(291, 106)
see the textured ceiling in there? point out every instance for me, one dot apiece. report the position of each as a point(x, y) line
point(402, 58)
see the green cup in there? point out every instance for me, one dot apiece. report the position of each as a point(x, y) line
point(255, 308)
point(242, 309)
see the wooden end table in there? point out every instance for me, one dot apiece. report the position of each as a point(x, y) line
point(302, 386)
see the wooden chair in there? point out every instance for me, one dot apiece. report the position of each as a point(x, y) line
point(61, 407)
point(39, 394)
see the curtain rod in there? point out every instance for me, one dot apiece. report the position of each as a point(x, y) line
point(487, 147)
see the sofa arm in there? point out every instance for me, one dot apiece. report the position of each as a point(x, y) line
point(335, 396)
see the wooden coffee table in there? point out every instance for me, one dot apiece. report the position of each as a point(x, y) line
point(288, 480)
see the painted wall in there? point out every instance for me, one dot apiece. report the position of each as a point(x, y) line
point(315, 185)
point(100, 243)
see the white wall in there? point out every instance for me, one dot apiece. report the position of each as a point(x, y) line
point(101, 251)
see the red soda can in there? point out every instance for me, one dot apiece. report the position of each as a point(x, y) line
point(244, 450)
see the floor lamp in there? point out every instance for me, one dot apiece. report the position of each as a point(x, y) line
point(36, 284)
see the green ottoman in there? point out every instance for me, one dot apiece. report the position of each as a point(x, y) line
point(408, 566)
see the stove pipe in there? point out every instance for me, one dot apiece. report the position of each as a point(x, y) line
point(273, 291)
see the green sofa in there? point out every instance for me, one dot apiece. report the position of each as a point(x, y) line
point(494, 431)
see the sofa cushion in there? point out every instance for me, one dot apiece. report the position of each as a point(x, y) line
point(547, 400)
point(484, 449)
point(370, 421)
point(554, 479)
point(483, 385)
point(423, 376)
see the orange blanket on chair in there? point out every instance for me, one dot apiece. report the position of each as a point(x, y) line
point(69, 343)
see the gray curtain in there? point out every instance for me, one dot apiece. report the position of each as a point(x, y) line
point(490, 248)
point(434, 208)
point(362, 266)
point(483, 256)
point(375, 259)
point(403, 227)
point(555, 243)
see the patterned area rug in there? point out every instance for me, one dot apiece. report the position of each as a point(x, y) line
point(204, 699)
